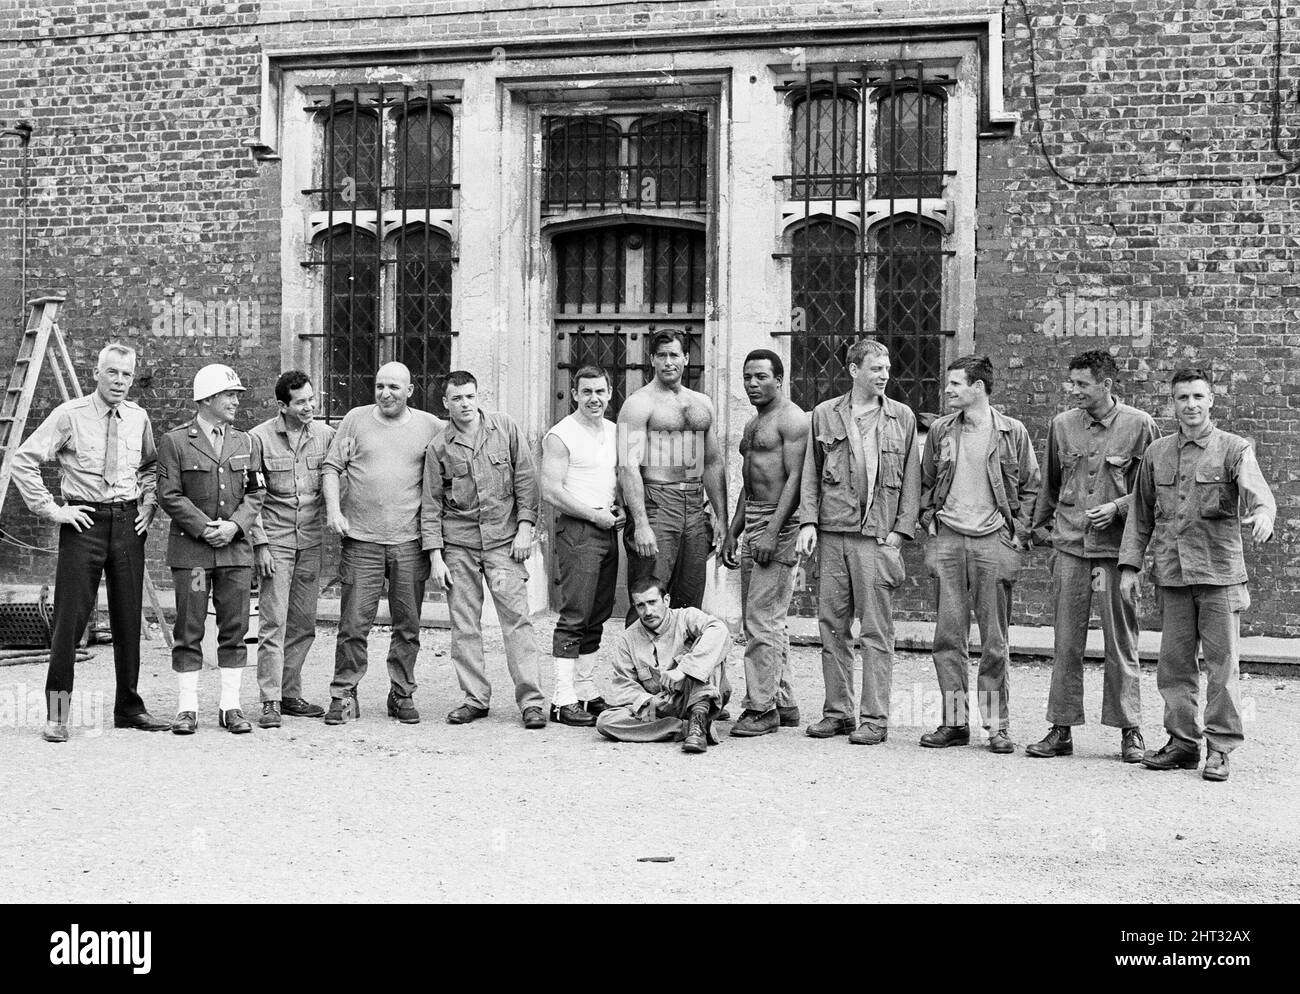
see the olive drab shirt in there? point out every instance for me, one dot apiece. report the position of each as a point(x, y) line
point(476, 493)
point(1090, 462)
point(1012, 467)
point(293, 513)
point(835, 496)
point(197, 485)
point(1186, 508)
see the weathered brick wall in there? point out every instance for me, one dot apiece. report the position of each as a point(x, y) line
point(141, 189)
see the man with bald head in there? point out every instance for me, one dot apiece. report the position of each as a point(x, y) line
point(377, 462)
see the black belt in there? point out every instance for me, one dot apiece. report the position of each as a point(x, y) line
point(103, 503)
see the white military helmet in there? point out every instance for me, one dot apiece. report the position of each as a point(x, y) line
point(214, 379)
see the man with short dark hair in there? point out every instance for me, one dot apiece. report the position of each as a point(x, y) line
point(670, 679)
point(979, 479)
point(669, 460)
point(579, 480)
point(287, 541)
point(860, 493)
point(1093, 454)
point(104, 447)
point(1187, 508)
point(378, 451)
point(766, 524)
point(478, 511)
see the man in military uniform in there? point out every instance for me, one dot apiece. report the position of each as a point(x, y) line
point(208, 483)
point(1191, 490)
point(103, 445)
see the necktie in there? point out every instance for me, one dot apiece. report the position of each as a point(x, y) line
point(110, 450)
point(216, 442)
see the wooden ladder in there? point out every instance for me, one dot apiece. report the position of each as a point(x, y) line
point(35, 347)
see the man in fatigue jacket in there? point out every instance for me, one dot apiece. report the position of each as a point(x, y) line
point(287, 544)
point(1093, 454)
point(859, 499)
point(1187, 509)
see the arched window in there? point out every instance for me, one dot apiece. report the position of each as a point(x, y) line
point(423, 340)
point(910, 129)
point(824, 146)
point(351, 163)
point(351, 325)
point(824, 321)
point(670, 159)
point(908, 298)
point(582, 168)
point(424, 157)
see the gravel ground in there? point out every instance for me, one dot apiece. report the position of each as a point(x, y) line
point(378, 811)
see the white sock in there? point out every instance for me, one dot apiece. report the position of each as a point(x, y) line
point(585, 684)
point(564, 692)
point(188, 699)
point(230, 679)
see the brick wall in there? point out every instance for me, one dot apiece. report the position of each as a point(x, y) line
point(142, 190)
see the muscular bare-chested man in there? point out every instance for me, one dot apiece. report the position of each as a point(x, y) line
point(767, 528)
point(668, 461)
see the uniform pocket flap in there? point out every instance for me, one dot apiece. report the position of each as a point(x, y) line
point(239, 464)
point(1119, 461)
point(277, 465)
point(1211, 474)
point(313, 462)
point(1164, 475)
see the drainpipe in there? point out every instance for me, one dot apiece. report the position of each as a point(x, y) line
point(23, 132)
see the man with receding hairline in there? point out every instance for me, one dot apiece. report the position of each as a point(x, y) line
point(378, 452)
point(104, 447)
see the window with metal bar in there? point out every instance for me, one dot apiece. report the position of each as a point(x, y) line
point(423, 313)
point(824, 280)
point(910, 128)
point(870, 262)
point(590, 271)
point(908, 292)
point(386, 193)
point(824, 144)
point(423, 158)
point(352, 319)
point(670, 159)
point(351, 167)
point(582, 161)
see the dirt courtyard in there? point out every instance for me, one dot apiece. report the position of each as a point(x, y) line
point(379, 811)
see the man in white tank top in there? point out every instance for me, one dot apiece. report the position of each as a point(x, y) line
point(579, 457)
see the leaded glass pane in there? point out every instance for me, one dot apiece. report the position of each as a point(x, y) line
point(671, 159)
point(909, 293)
point(351, 159)
point(582, 168)
point(910, 132)
point(424, 313)
point(352, 315)
point(423, 159)
point(824, 144)
point(824, 279)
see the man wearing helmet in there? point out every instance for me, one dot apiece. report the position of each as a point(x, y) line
point(209, 485)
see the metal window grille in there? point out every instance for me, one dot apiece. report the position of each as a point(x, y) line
point(848, 279)
point(352, 319)
point(593, 161)
point(910, 129)
point(824, 144)
point(590, 272)
point(424, 314)
point(384, 150)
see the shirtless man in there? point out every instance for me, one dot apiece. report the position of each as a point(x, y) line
point(668, 460)
point(772, 448)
